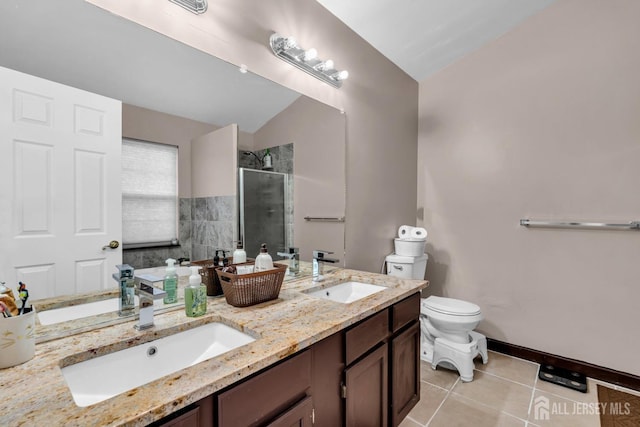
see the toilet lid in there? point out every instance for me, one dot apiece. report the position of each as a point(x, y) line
point(451, 306)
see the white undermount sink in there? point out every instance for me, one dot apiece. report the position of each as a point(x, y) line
point(103, 377)
point(347, 292)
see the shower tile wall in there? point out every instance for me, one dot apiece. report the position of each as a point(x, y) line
point(212, 225)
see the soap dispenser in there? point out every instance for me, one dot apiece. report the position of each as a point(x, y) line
point(239, 255)
point(266, 161)
point(170, 282)
point(264, 261)
point(195, 294)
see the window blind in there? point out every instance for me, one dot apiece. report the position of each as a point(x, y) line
point(149, 192)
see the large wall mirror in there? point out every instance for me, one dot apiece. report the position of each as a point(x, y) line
point(176, 95)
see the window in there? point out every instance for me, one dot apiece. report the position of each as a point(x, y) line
point(149, 193)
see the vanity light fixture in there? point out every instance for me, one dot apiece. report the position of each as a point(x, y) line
point(288, 50)
point(194, 6)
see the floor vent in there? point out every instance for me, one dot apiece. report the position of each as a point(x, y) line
point(195, 6)
point(563, 377)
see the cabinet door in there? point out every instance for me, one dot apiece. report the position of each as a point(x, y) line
point(199, 414)
point(327, 366)
point(367, 391)
point(299, 415)
point(405, 373)
point(267, 395)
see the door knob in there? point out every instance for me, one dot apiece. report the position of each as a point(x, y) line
point(112, 245)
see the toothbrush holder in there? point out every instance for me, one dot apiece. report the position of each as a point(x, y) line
point(17, 339)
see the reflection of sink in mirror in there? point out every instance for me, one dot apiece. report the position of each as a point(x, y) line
point(347, 292)
point(74, 312)
point(103, 377)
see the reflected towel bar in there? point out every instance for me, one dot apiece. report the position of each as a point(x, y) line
point(633, 225)
point(324, 219)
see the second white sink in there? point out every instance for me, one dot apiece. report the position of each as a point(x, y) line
point(347, 292)
point(103, 377)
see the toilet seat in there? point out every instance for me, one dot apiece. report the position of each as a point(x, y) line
point(450, 306)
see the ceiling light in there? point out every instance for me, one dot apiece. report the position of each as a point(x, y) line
point(288, 50)
point(194, 6)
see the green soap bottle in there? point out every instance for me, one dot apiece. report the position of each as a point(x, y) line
point(195, 295)
point(170, 283)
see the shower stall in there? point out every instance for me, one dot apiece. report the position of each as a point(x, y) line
point(263, 207)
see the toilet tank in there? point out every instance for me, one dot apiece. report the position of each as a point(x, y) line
point(406, 267)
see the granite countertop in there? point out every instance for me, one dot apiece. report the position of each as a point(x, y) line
point(35, 393)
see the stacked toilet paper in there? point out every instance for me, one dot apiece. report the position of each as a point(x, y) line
point(410, 241)
point(409, 232)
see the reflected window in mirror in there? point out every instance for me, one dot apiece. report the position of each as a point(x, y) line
point(149, 201)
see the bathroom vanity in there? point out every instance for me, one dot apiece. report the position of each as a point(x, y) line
point(313, 359)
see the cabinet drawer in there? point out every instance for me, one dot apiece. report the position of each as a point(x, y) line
point(406, 311)
point(265, 396)
point(366, 334)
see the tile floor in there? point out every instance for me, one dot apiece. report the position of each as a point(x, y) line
point(504, 392)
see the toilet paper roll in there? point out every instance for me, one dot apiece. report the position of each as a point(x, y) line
point(418, 233)
point(404, 232)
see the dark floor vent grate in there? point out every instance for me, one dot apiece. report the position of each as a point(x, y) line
point(563, 377)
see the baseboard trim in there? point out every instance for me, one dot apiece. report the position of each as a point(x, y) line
point(601, 373)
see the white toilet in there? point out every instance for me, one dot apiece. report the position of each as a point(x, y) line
point(447, 336)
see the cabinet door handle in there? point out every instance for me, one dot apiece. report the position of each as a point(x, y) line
point(398, 267)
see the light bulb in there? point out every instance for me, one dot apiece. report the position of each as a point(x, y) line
point(310, 54)
point(341, 75)
point(328, 64)
point(289, 43)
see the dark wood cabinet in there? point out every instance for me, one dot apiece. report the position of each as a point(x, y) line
point(405, 373)
point(366, 391)
point(365, 375)
point(396, 333)
point(266, 396)
point(199, 414)
point(327, 359)
point(299, 415)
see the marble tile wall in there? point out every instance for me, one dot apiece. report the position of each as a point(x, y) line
point(212, 225)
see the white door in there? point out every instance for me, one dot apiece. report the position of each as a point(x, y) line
point(60, 186)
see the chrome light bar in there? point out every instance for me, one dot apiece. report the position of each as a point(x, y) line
point(288, 50)
point(194, 6)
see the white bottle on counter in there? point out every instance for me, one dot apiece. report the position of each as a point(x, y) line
point(239, 255)
point(264, 261)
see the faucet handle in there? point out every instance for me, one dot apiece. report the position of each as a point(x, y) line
point(151, 291)
point(319, 253)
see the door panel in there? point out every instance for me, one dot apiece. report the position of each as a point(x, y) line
point(61, 199)
point(367, 390)
point(405, 373)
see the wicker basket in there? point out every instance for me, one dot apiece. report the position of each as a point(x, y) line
point(242, 290)
point(209, 276)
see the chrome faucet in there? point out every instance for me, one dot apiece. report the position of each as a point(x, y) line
point(293, 254)
point(319, 260)
point(147, 294)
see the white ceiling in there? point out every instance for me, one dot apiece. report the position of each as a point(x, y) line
point(424, 36)
point(77, 44)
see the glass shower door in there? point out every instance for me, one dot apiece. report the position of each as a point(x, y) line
point(262, 210)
